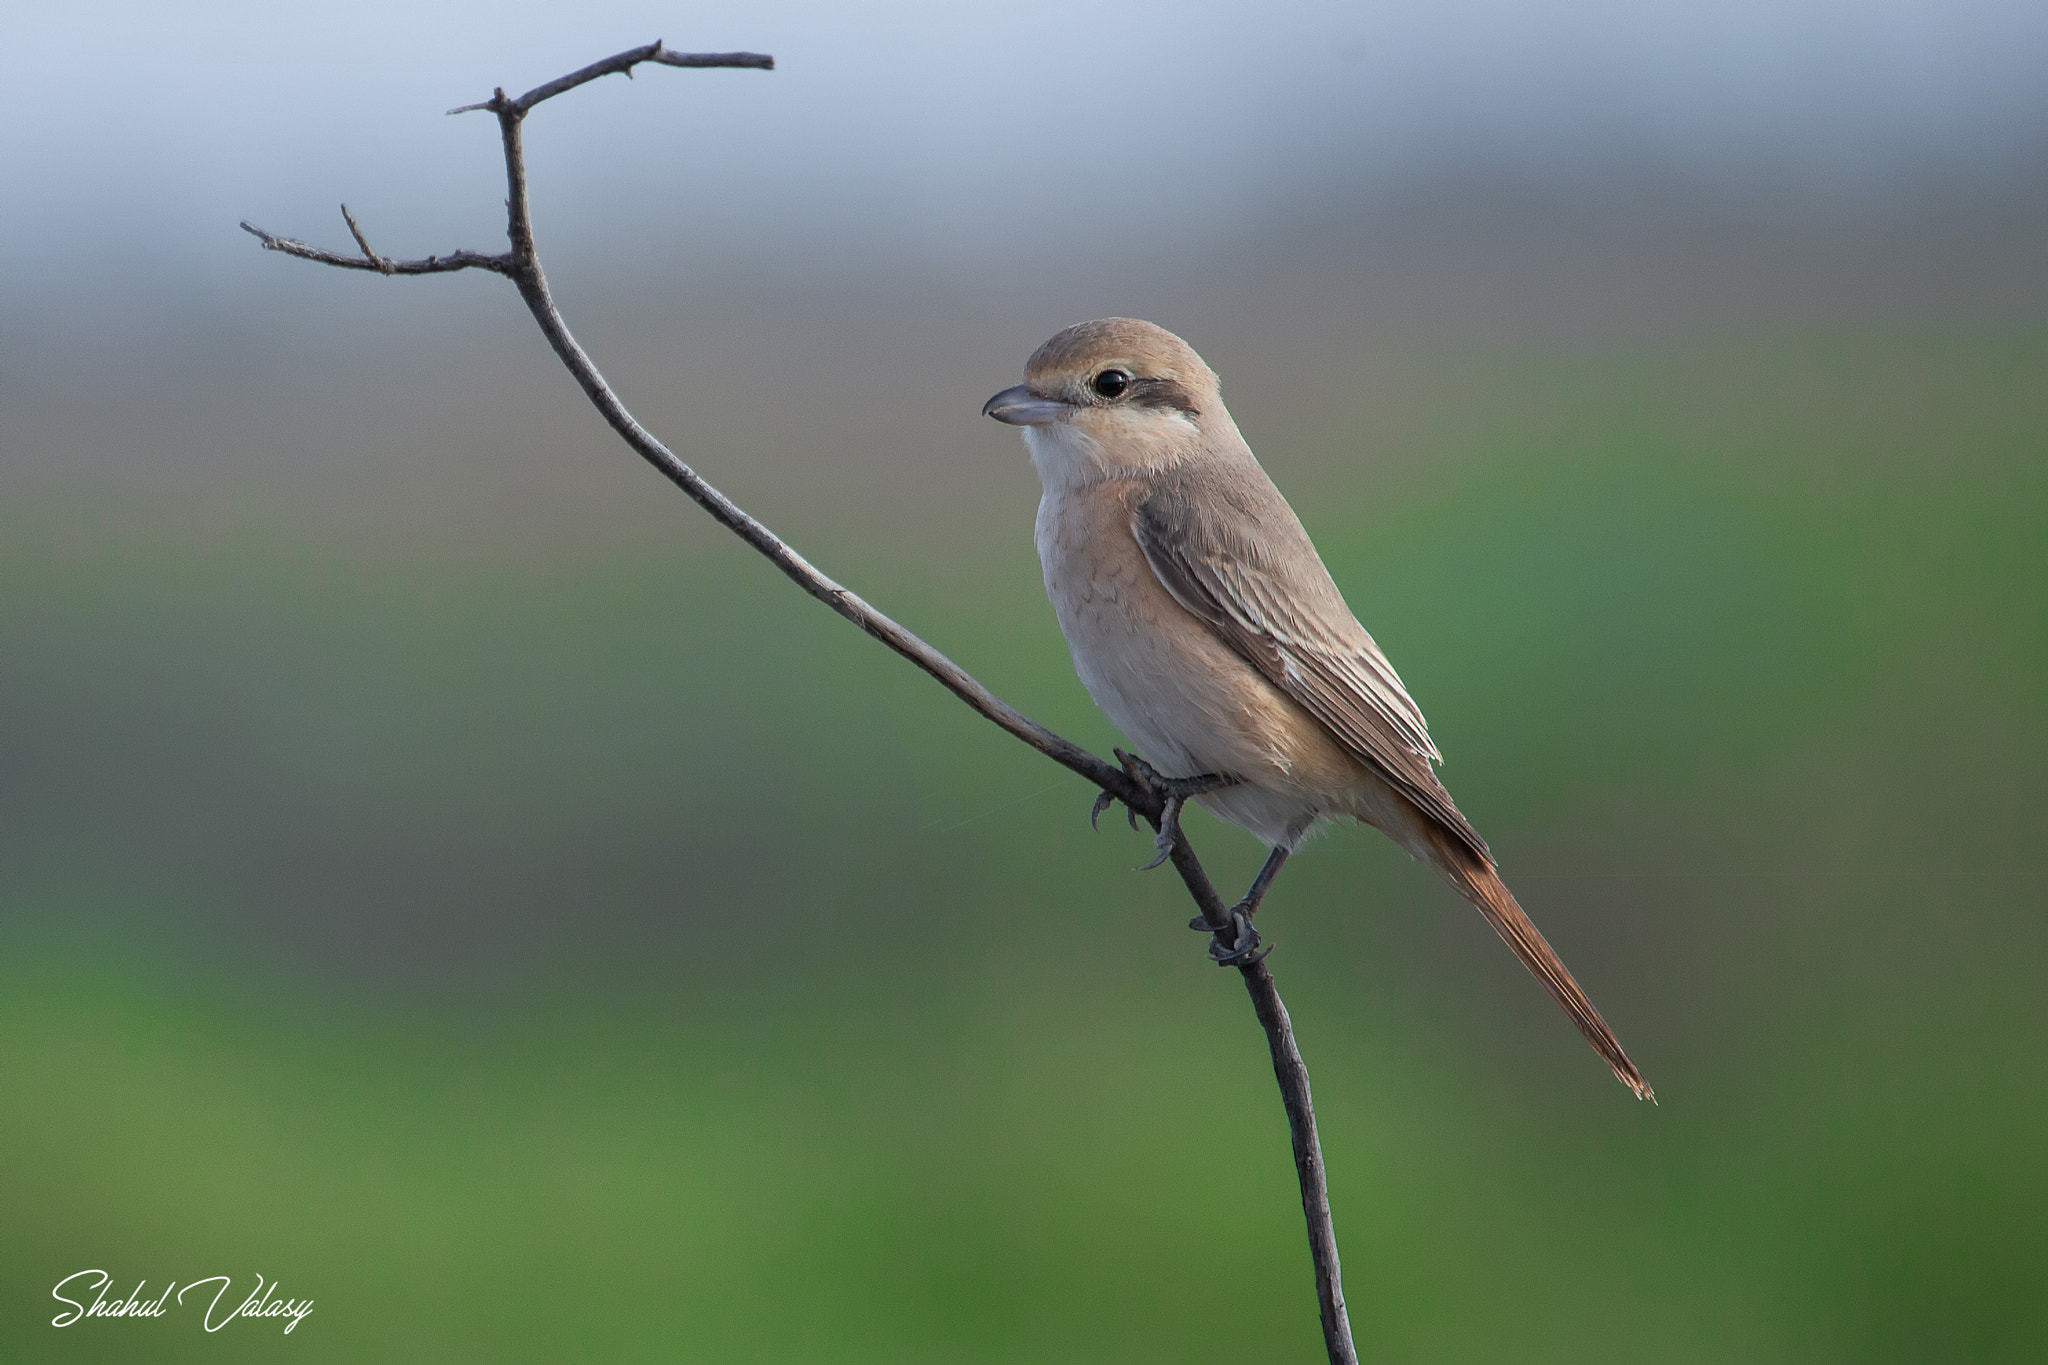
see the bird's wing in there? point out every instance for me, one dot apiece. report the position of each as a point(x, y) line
point(1230, 550)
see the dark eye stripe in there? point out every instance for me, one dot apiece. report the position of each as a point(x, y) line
point(1163, 393)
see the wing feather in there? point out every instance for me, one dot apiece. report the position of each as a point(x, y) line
point(1233, 553)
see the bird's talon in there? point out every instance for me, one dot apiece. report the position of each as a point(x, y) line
point(1102, 800)
point(1164, 843)
point(1250, 957)
point(1169, 833)
point(1242, 949)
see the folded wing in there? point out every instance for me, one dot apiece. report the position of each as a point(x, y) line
point(1233, 553)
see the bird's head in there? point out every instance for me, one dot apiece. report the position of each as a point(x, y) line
point(1112, 394)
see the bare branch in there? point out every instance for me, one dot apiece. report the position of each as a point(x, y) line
point(432, 265)
point(754, 61)
point(1292, 1073)
point(382, 264)
point(1133, 783)
point(621, 64)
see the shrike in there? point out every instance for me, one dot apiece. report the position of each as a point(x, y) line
point(1203, 623)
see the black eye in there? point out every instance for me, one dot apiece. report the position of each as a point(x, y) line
point(1110, 383)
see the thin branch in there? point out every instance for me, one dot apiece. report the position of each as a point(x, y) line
point(1292, 1073)
point(432, 265)
point(1132, 783)
point(382, 263)
point(754, 61)
point(621, 65)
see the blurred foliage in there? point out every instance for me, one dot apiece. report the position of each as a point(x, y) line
point(613, 956)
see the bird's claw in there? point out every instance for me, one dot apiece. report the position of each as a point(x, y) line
point(1174, 793)
point(1244, 948)
point(1169, 831)
point(1103, 801)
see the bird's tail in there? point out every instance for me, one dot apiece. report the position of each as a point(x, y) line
point(1483, 887)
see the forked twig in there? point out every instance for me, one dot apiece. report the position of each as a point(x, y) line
point(380, 262)
point(1134, 784)
point(383, 265)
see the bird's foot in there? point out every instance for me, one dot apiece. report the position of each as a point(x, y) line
point(1103, 801)
point(1173, 793)
point(1237, 944)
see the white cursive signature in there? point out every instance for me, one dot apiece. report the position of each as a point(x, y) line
point(259, 1304)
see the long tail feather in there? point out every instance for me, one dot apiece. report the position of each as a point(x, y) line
point(1483, 887)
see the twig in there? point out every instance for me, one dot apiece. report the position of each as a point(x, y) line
point(1292, 1074)
point(620, 65)
point(380, 262)
point(1132, 784)
point(432, 265)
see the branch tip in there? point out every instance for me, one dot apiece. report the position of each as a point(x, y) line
point(621, 63)
point(384, 266)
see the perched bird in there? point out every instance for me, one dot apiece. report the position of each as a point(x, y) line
point(1203, 623)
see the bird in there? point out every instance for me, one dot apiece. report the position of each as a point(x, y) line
point(1205, 626)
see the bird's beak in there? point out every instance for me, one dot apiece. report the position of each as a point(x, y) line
point(1020, 407)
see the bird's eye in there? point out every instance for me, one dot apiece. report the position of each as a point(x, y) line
point(1110, 383)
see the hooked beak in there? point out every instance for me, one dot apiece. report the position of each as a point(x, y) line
point(1020, 407)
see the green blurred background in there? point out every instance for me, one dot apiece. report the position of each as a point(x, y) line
point(441, 870)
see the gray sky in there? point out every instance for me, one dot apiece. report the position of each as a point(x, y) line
point(811, 278)
point(968, 129)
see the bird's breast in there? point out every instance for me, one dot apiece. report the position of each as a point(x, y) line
point(1187, 701)
point(1120, 623)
